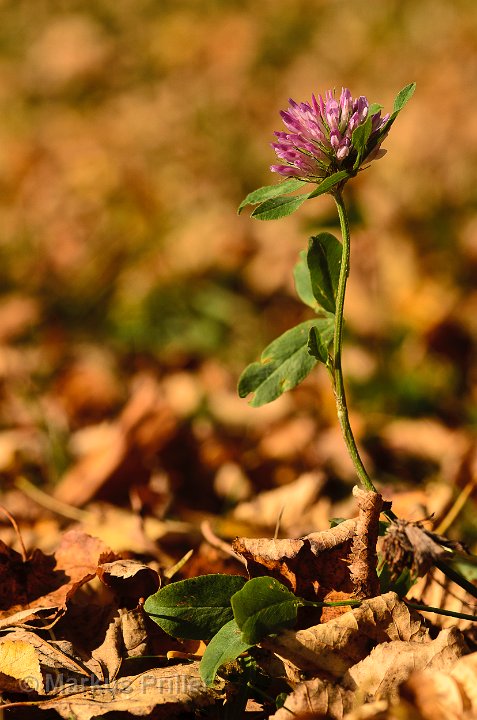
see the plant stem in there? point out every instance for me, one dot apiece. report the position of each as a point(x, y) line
point(337, 372)
point(440, 611)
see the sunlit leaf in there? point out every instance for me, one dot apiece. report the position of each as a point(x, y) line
point(270, 191)
point(302, 278)
point(402, 98)
point(224, 647)
point(284, 364)
point(324, 262)
point(279, 207)
point(330, 182)
point(264, 606)
point(195, 608)
point(319, 342)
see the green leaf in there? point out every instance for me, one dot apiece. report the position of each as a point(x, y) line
point(374, 108)
point(224, 647)
point(360, 140)
point(283, 365)
point(196, 608)
point(279, 207)
point(329, 182)
point(324, 262)
point(402, 98)
point(264, 606)
point(270, 191)
point(302, 278)
point(319, 340)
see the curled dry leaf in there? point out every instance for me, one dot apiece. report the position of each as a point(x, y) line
point(126, 637)
point(363, 555)
point(312, 567)
point(377, 677)
point(390, 664)
point(129, 578)
point(337, 645)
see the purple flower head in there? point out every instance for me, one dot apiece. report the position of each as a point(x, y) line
point(319, 141)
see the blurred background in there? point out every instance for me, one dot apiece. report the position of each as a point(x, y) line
point(132, 295)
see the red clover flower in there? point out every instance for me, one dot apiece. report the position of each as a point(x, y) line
point(320, 138)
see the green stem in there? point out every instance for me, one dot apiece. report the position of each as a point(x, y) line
point(440, 611)
point(337, 372)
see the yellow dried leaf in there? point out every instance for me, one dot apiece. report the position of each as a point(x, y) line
point(19, 662)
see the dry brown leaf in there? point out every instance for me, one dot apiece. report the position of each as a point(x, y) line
point(56, 656)
point(88, 390)
point(435, 696)
point(312, 566)
point(166, 691)
point(109, 653)
point(316, 699)
point(19, 667)
point(46, 582)
point(363, 554)
point(123, 455)
point(289, 438)
point(442, 695)
point(287, 503)
point(17, 314)
point(129, 578)
point(390, 664)
point(337, 645)
point(134, 632)
point(126, 636)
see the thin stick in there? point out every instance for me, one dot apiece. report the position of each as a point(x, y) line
point(218, 543)
point(456, 508)
point(50, 503)
point(18, 533)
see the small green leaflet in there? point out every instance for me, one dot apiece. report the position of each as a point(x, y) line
point(270, 191)
point(402, 98)
point(330, 181)
point(324, 257)
point(301, 275)
point(195, 608)
point(276, 206)
point(400, 101)
point(224, 647)
point(264, 606)
point(283, 365)
point(318, 343)
point(360, 140)
point(279, 207)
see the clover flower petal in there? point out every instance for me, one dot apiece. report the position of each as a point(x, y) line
point(320, 138)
